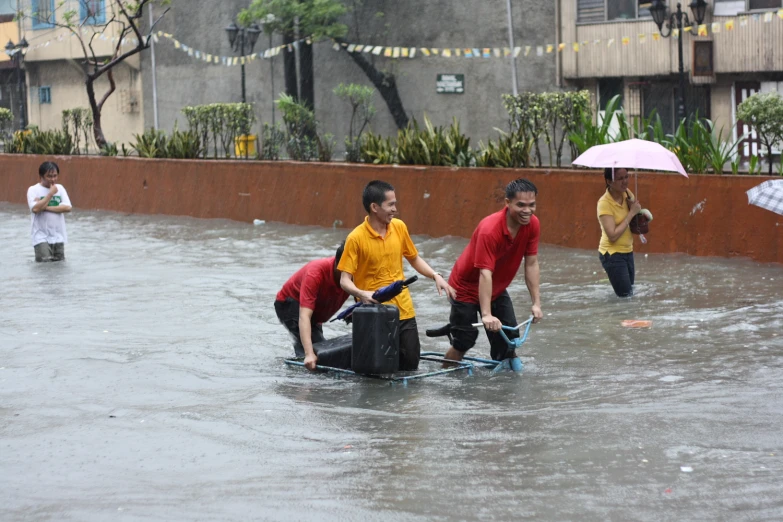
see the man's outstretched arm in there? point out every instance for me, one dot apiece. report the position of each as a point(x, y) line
point(532, 280)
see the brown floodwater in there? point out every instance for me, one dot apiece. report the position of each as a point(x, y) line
point(143, 379)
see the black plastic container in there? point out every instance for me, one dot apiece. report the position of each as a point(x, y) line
point(376, 340)
point(335, 353)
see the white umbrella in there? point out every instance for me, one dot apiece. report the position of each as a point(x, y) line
point(768, 195)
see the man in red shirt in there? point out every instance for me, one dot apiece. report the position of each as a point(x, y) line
point(307, 300)
point(487, 267)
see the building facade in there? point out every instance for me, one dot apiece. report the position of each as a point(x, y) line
point(54, 66)
point(11, 76)
point(157, 84)
point(184, 79)
point(614, 47)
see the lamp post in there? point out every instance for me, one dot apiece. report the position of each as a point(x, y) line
point(266, 22)
point(243, 39)
point(514, 84)
point(16, 52)
point(678, 19)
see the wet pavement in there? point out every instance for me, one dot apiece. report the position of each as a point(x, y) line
point(142, 379)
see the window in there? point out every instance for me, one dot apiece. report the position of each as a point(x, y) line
point(702, 59)
point(604, 10)
point(608, 88)
point(44, 95)
point(43, 14)
point(763, 4)
point(728, 7)
point(7, 7)
point(92, 11)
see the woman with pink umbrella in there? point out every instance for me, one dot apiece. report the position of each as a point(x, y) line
point(616, 209)
point(618, 206)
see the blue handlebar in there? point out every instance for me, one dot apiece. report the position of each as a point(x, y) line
point(515, 343)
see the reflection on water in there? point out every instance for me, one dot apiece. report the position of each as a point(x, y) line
point(142, 379)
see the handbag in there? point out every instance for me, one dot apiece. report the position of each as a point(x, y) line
point(639, 224)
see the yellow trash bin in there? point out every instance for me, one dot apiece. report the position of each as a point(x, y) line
point(245, 145)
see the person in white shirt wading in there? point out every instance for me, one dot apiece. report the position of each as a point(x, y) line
point(48, 203)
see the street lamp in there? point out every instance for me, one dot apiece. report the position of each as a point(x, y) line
point(266, 22)
point(16, 52)
point(239, 37)
point(678, 19)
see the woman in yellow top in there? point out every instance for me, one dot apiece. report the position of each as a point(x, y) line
point(616, 208)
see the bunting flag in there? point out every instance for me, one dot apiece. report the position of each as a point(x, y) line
point(403, 52)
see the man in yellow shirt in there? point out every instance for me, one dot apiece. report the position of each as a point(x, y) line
point(373, 259)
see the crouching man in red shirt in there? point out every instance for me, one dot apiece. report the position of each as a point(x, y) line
point(307, 300)
point(487, 267)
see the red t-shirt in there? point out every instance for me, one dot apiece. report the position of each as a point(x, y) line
point(491, 247)
point(313, 287)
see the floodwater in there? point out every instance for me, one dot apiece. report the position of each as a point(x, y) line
point(142, 379)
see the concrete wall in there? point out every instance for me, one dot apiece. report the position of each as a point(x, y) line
point(704, 215)
point(443, 23)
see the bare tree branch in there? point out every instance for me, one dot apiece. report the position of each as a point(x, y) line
point(112, 88)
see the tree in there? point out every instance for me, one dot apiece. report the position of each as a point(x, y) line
point(295, 20)
point(362, 113)
point(318, 19)
point(764, 112)
point(382, 79)
point(124, 15)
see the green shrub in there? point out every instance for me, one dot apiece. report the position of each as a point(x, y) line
point(151, 144)
point(183, 145)
point(378, 150)
point(362, 113)
point(764, 112)
point(326, 145)
point(218, 124)
point(36, 141)
point(272, 142)
point(110, 149)
point(302, 140)
point(6, 120)
point(78, 124)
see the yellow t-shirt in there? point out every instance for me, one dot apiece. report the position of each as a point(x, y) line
point(607, 206)
point(375, 261)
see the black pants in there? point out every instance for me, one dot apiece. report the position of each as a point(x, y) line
point(464, 335)
point(288, 313)
point(621, 272)
point(410, 346)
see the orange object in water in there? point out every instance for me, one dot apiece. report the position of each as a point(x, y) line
point(637, 323)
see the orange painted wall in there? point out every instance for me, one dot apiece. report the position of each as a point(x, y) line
point(703, 215)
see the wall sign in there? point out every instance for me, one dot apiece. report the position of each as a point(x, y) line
point(451, 84)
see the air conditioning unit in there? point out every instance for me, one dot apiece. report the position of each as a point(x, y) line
point(129, 101)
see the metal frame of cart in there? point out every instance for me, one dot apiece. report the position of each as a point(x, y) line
point(467, 365)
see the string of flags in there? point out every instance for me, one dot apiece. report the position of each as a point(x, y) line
point(396, 52)
point(540, 50)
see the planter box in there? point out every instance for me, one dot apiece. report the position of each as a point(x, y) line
point(705, 215)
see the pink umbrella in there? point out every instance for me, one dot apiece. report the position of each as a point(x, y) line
point(631, 154)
